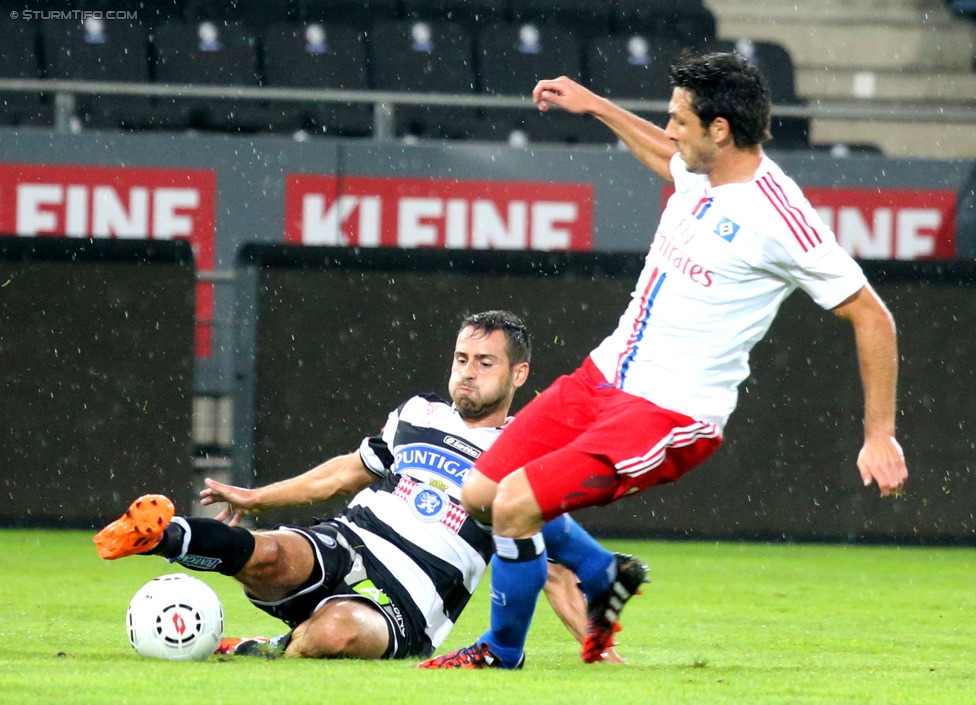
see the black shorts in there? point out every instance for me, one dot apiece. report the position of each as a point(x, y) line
point(338, 568)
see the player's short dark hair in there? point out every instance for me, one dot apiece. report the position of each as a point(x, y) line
point(519, 347)
point(726, 85)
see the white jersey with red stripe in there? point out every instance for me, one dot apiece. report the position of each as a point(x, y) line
point(722, 261)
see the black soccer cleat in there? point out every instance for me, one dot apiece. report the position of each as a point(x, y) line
point(603, 611)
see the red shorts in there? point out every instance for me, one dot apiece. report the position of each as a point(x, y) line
point(583, 443)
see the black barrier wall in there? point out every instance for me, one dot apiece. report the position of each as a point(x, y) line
point(96, 377)
point(340, 338)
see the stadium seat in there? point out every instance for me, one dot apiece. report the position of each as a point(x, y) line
point(18, 59)
point(256, 15)
point(319, 56)
point(206, 53)
point(96, 50)
point(585, 18)
point(777, 67)
point(425, 57)
point(687, 20)
point(776, 64)
point(149, 14)
point(512, 57)
point(209, 53)
point(195, 11)
point(470, 13)
point(631, 65)
point(358, 13)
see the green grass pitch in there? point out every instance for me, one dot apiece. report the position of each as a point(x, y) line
point(721, 623)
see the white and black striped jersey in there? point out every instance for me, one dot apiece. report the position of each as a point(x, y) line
point(426, 555)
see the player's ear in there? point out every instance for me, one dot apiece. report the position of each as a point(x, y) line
point(720, 130)
point(520, 373)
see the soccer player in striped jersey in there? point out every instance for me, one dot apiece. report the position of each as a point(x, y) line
point(390, 575)
point(651, 401)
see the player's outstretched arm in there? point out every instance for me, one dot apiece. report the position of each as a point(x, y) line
point(881, 458)
point(646, 141)
point(339, 476)
point(569, 604)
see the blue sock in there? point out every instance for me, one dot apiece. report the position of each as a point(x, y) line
point(518, 573)
point(570, 545)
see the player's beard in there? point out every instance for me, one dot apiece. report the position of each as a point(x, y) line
point(475, 409)
point(699, 158)
point(698, 163)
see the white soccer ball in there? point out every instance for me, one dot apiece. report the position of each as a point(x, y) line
point(175, 617)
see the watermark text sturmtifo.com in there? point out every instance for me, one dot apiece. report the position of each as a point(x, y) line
point(76, 15)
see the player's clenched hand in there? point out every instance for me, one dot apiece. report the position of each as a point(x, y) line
point(881, 460)
point(240, 501)
point(565, 93)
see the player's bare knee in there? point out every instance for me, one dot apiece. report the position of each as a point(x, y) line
point(506, 520)
point(320, 639)
point(515, 512)
point(340, 629)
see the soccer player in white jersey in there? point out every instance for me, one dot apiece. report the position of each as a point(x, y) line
point(650, 402)
point(390, 575)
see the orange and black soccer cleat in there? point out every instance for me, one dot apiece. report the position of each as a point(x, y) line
point(243, 646)
point(138, 530)
point(476, 656)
